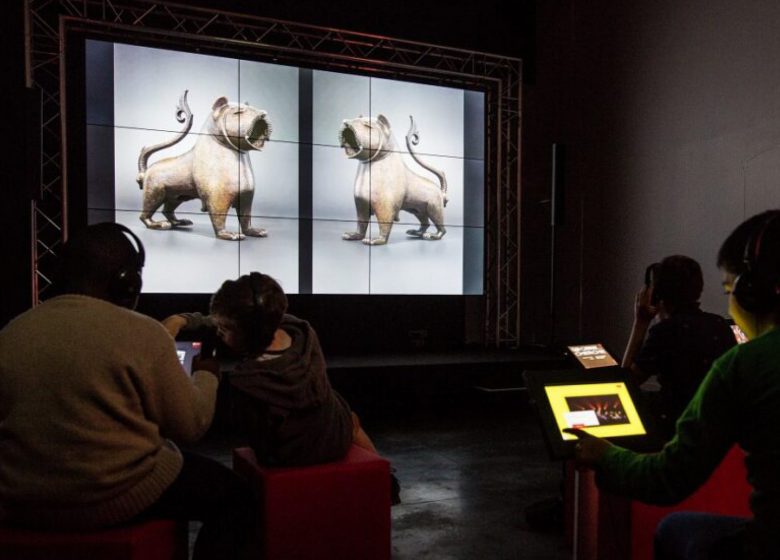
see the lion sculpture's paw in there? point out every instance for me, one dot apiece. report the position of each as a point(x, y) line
point(256, 232)
point(230, 235)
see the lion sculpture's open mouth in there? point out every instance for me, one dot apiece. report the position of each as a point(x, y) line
point(349, 141)
point(259, 132)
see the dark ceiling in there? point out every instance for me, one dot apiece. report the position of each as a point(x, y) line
point(497, 26)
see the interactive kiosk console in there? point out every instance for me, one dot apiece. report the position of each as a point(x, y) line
point(600, 402)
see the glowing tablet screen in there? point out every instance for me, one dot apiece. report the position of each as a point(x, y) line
point(186, 351)
point(739, 334)
point(592, 356)
point(602, 409)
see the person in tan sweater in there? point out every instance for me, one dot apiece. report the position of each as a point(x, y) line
point(92, 395)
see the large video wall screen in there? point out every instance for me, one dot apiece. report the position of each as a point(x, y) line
point(332, 183)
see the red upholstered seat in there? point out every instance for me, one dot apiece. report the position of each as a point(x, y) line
point(726, 492)
point(150, 540)
point(336, 511)
point(610, 527)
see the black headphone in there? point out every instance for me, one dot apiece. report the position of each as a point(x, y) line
point(256, 327)
point(125, 285)
point(651, 279)
point(757, 288)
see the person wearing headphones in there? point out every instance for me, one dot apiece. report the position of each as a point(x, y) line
point(673, 339)
point(286, 406)
point(738, 402)
point(92, 395)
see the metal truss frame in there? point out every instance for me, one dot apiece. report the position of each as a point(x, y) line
point(47, 22)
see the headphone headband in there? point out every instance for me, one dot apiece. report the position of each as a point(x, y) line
point(757, 288)
point(127, 282)
point(753, 246)
point(137, 245)
point(258, 329)
point(257, 297)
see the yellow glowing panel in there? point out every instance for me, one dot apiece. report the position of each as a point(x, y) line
point(601, 409)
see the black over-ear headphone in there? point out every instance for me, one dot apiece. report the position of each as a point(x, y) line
point(257, 329)
point(757, 289)
point(651, 279)
point(125, 285)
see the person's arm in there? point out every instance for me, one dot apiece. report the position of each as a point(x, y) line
point(180, 404)
point(644, 312)
point(705, 433)
point(174, 324)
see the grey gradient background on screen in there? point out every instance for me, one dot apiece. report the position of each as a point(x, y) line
point(406, 265)
point(146, 89)
point(147, 86)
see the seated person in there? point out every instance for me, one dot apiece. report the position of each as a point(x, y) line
point(89, 392)
point(290, 412)
point(738, 402)
point(673, 339)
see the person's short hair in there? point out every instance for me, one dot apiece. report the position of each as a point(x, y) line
point(677, 281)
point(752, 253)
point(101, 260)
point(257, 303)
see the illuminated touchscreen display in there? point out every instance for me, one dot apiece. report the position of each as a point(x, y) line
point(592, 356)
point(601, 409)
point(739, 334)
point(186, 351)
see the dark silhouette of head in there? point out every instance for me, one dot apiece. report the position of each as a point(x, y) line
point(677, 282)
point(104, 261)
point(751, 253)
point(255, 303)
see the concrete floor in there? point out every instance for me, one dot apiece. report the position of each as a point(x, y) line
point(467, 469)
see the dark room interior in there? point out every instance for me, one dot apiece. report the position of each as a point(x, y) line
point(643, 129)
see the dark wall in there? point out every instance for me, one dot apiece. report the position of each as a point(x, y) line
point(18, 131)
point(670, 113)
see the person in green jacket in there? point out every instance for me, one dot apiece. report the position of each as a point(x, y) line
point(738, 402)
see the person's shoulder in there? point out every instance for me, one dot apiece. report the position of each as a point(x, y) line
point(714, 319)
point(701, 322)
point(289, 319)
point(294, 325)
point(752, 356)
point(120, 319)
point(663, 327)
point(718, 328)
point(766, 344)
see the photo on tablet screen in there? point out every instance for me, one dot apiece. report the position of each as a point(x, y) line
point(606, 409)
point(186, 351)
point(739, 334)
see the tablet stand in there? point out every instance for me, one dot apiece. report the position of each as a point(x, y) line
point(575, 531)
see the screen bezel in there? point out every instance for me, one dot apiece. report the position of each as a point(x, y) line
point(560, 448)
point(474, 261)
point(444, 317)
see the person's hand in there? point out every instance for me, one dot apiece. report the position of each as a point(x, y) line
point(174, 324)
point(206, 363)
point(644, 310)
point(589, 449)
